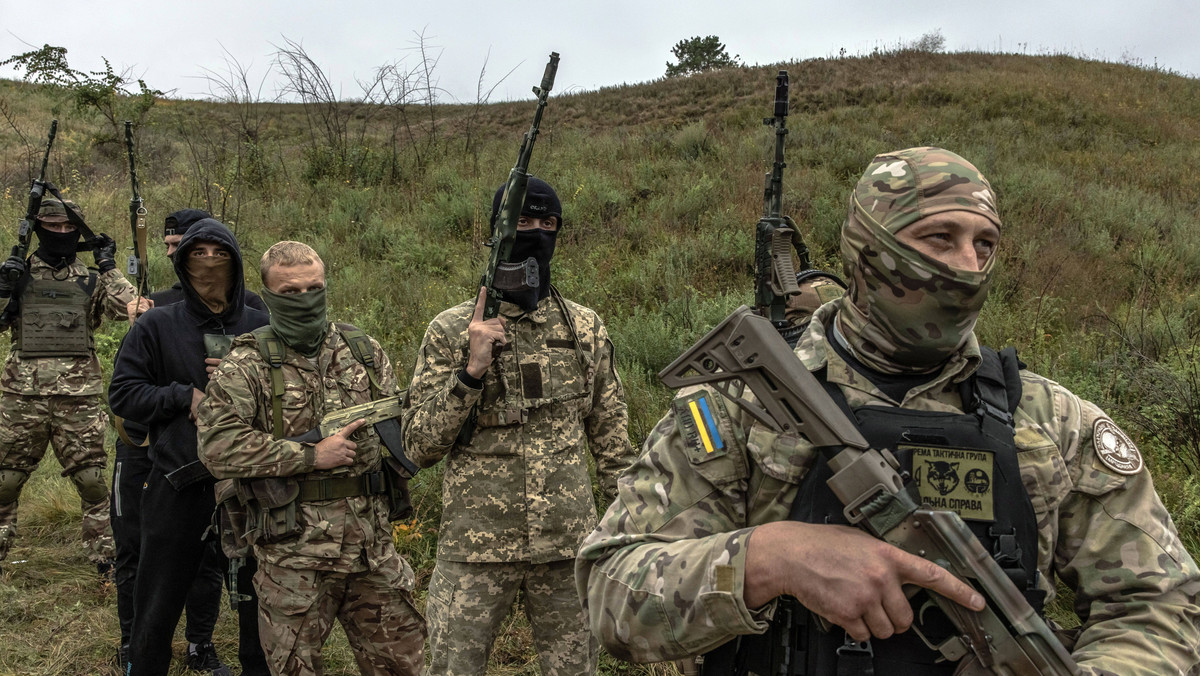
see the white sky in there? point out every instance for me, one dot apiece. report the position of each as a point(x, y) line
point(169, 43)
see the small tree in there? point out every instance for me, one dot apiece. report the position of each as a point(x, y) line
point(106, 92)
point(696, 55)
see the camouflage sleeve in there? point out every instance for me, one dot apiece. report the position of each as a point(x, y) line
point(607, 424)
point(231, 441)
point(438, 402)
point(113, 293)
point(662, 576)
point(1135, 585)
point(385, 373)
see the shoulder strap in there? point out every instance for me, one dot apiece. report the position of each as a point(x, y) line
point(272, 350)
point(994, 391)
point(363, 351)
point(587, 366)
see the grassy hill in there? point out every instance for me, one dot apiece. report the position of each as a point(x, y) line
point(1094, 164)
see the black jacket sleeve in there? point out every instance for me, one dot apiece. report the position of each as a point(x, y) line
point(134, 393)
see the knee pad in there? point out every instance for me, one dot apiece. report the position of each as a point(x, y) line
point(90, 483)
point(11, 481)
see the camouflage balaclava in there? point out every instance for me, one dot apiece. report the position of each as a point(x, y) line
point(905, 312)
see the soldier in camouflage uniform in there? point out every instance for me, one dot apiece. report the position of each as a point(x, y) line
point(332, 556)
point(699, 545)
point(50, 387)
point(517, 495)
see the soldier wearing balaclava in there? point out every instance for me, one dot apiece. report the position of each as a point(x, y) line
point(515, 404)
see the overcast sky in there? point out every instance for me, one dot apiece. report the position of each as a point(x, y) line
point(170, 43)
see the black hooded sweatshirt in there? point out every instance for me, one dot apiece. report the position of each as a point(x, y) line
point(162, 359)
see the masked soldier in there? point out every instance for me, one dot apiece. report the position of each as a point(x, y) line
point(693, 555)
point(158, 380)
point(324, 543)
point(539, 386)
point(130, 472)
point(49, 390)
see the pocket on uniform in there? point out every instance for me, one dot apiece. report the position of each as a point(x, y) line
point(1043, 470)
point(284, 591)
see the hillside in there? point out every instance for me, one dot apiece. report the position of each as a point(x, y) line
point(1094, 163)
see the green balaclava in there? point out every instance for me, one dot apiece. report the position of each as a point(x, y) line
point(905, 312)
point(298, 319)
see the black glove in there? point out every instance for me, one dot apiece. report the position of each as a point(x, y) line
point(10, 271)
point(106, 253)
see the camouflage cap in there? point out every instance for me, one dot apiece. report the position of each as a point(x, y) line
point(53, 211)
point(902, 187)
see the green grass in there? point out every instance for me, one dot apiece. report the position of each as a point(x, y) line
point(661, 184)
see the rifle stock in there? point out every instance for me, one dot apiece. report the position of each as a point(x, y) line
point(1007, 636)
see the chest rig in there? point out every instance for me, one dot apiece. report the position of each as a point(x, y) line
point(54, 317)
point(535, 388)
point(966, 462)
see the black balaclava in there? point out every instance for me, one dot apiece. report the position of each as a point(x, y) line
point(540, 202)
point(56, 248)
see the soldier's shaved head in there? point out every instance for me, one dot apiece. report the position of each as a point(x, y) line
point(287, 253)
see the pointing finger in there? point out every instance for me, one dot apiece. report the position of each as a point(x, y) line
point(479, 303)
point(346, 431)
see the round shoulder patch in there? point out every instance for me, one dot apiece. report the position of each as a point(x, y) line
point(1115, 449)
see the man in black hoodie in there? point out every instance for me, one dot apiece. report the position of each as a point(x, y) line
point(158, 380)
point(129, 475)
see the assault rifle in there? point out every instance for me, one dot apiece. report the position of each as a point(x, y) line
point(25, 228)
point(136, 265)
point(501, 275)
point(1007, 636)
point(776, 236)
point(383, 414)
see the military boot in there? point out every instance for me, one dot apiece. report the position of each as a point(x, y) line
point(204, 658)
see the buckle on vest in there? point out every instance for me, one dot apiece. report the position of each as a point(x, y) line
point(991, 411)
point(1006, 550)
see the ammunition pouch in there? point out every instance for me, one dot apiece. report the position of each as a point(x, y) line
point(255, 512)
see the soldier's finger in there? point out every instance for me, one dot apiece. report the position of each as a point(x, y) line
point(898, 610)
point(915, 570)
point(878, 622)
point(351, 428)
point(480, 301)
point(857, 630)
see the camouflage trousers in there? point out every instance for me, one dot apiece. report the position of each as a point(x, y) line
point(296, 610)
point(468, 601)
point(74, 426)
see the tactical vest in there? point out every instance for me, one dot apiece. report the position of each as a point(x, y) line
point(966, 462)
point(536, 391)
point(54, 317)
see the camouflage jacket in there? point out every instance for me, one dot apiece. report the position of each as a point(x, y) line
point(662, 576)
point(236, 440)
point(74, 376)
point(520, 491)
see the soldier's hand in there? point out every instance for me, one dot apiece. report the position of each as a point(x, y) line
point(485, 337)
point(210, 365)
point(106, 253)
point(844, 575)
point(336, 450)
point(197, 397)
point(10, 271)
point(137, 308)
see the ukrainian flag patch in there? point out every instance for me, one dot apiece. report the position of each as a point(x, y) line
point(694, 415)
